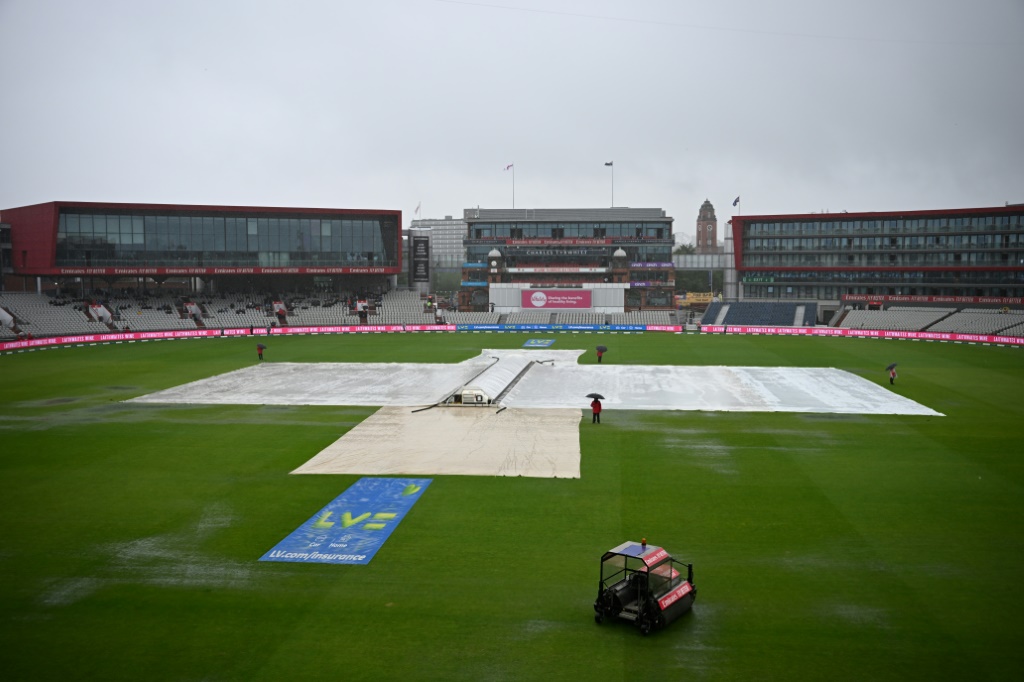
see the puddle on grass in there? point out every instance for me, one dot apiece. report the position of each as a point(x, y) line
point(227, 415)
point(828, 416)
point(169, 560)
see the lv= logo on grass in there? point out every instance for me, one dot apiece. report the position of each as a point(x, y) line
point(354, 525)
point(378, 523)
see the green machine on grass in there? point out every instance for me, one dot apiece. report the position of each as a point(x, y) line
point(643, 584)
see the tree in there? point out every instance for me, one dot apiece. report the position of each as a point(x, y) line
point(697, 280)
point(684, 250)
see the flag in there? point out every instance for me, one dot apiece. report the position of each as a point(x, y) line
point(417, 211)
point(609, 163)
point(509, 166)
point(736, 201)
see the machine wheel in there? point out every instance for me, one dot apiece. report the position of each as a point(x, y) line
point(645, 620)
point(598, 617)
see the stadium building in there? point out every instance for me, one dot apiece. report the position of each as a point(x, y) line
point(208, 248)
point(447, 249)
point(609, 260)
point(975, 254)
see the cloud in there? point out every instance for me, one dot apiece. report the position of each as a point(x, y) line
point(797, 106)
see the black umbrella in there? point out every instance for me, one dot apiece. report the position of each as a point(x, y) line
point(261, 346)
point(595, 396)
point(603, 349)
point(890, 367)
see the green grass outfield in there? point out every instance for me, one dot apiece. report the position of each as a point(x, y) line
point(825, 547)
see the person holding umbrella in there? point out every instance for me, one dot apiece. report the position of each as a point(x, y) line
point(600, 353)
point(892, 373)
point(259, 350)
point(595, 407)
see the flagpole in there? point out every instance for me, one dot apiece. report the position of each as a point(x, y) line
point(611, 164)
point(512, 167)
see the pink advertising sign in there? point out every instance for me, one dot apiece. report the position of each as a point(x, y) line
point(533, 299)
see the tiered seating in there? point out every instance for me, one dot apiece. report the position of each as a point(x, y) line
point(756, 313)
point(810, 314)
point(38, 315)
point(529, 317)
point(1015, 330)
point(978, 321)
point(320, 313)
point(712, 313)
point(402, 307)
point(471, 318)
point(660, 317)
point(895, 319)
point(156, 314)
point(403, 300)
point(580, 318)
point(234, 311)
point(400, 317)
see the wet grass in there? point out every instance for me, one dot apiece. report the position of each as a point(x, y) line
point(840, 547)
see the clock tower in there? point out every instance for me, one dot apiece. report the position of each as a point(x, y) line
point(707, 229)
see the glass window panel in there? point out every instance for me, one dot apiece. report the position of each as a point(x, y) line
point(162, 229)
point(251, 226)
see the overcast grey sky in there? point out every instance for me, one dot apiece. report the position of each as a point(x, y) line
point(795, 105)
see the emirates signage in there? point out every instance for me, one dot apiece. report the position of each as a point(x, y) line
point(870, 298)
point(357, 270)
